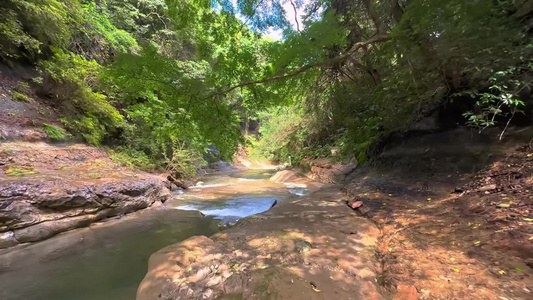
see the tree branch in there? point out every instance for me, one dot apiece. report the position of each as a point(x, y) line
point(376, 39)
point(372, 12)
point(295, 16)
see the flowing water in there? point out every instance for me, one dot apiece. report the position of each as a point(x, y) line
point(108, 260)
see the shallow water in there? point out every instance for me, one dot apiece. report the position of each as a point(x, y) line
point(107, 261)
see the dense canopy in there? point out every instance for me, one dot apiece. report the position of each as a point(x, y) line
point(161, 80)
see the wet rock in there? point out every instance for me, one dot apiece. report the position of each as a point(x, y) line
point(48, 229)
point(220, 166)
point(35, 210)
point(7, 239)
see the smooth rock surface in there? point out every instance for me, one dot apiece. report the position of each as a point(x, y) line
point(36, 210)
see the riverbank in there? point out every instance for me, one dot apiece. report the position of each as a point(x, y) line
point(310, 247)
point(46, 189)
point(441, 216)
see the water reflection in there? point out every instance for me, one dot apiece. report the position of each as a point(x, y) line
point(104, 262)
point(107, 261)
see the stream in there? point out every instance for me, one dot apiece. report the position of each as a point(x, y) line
point(108, 260)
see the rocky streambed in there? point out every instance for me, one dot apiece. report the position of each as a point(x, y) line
point(32, 211)
point(107, 260)
point(47, 189)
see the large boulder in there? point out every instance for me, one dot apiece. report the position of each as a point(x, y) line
point(35, 210)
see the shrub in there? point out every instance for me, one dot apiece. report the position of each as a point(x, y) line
point(132, 158)
point(71, 78)
point(22, 87)
point(19, 172)
point(54, 132)
point(20, 97)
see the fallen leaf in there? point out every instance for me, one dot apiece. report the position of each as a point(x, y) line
point(477, 243)
point(501, 272)
point(519, 269)
point(502, 205)
point(528, 219)
point(428, 199)
point(456, 270)
point(314, 287)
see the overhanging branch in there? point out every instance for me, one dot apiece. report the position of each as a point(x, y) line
point(376, 39)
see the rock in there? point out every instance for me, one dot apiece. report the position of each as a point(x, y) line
point(220, 166)
point(213, 281)
point(48, 229)
point(529, 262)
point(7, 239)
point(208, 294)
point(302, 246)
point(174, 261)
point(406, 292)
point(35, 210)
point(234, 284)
point(356, 204)
point(458, 190)
point(274, 203)
point(200, 275)
point(487, 188)
point(363, 210)
point(212, 154)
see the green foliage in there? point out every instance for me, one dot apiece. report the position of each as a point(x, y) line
point(20, 172)
point(436, 49)
point(132, 158)
point(20, 97)
point(166, 78)
point(166, 105)
point(54, 132)
point(71, 78)
point(500, 100)
point(183, 164)
point(98, 39)
point(22, 87)
point(29, 27)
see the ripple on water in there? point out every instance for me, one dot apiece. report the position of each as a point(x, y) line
point(235, 207)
